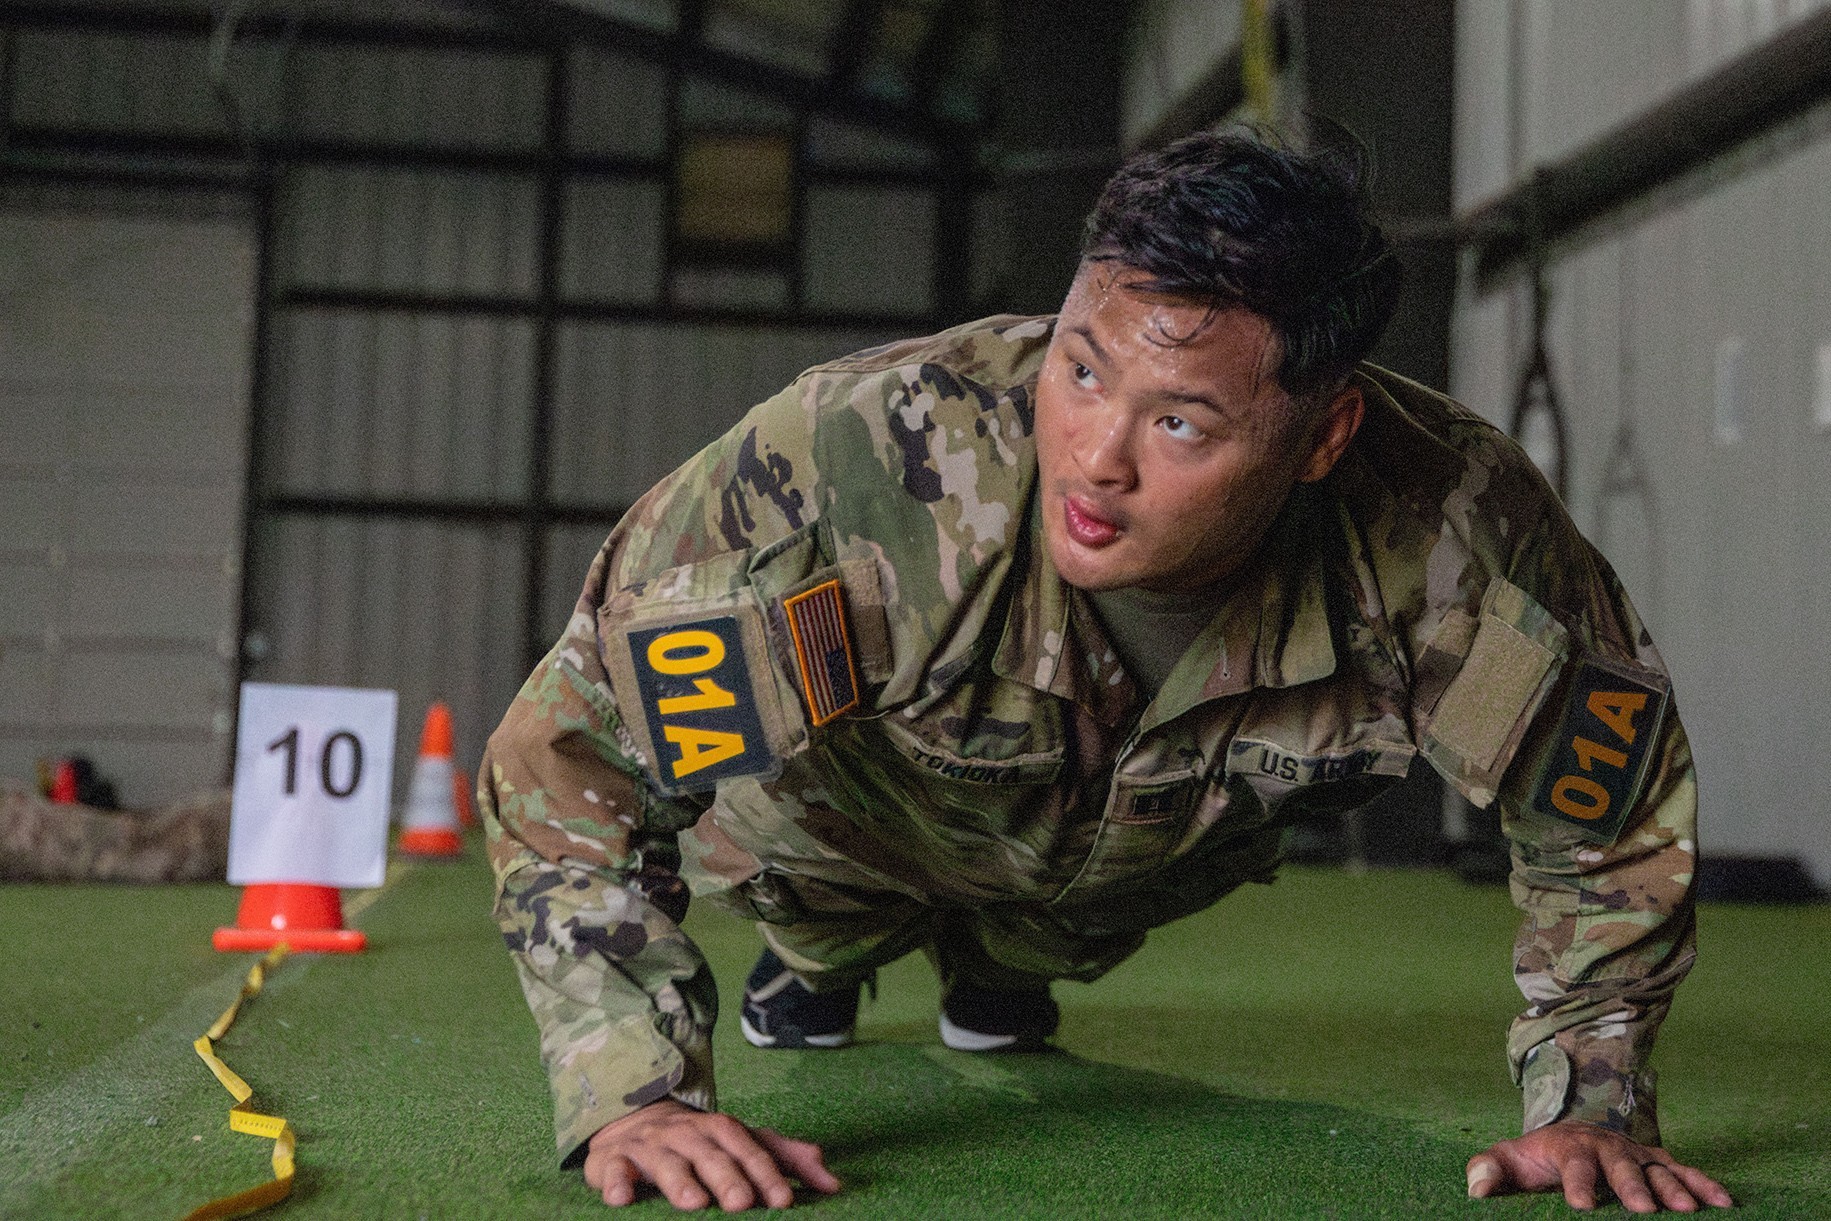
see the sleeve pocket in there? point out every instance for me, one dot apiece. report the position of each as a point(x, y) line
point(1514, 654)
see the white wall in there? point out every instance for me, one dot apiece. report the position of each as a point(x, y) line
point(1718, 295)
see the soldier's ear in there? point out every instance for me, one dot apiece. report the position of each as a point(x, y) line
point(1335, 426)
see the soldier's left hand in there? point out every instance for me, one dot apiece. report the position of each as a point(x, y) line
point(1577, 1156)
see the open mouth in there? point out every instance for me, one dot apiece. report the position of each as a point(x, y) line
point(1085, 526)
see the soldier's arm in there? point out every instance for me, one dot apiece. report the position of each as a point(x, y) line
point(1609, 934)
point(586, 855)
point(589, 904)
point(1601, 811)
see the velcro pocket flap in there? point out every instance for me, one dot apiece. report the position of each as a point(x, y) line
point(1513, 658)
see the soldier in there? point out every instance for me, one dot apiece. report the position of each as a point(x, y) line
point(1011, 643)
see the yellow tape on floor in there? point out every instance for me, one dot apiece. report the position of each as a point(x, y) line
point(242, 1117)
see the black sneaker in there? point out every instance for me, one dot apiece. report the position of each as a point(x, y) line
point(981, 1019)
point(781, 1011)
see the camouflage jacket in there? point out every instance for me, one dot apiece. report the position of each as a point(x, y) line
point(829, 657)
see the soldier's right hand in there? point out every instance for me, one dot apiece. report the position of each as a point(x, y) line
point(696, 1158)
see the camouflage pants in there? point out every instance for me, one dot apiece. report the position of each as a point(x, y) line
point(834, 925)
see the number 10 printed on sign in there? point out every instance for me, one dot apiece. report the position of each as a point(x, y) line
point(314, 767)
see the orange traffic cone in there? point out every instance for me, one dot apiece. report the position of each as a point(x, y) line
point(308, 918)
point(461, 783)
point(430, 821)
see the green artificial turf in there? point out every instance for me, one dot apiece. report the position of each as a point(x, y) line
point(1326, 1047)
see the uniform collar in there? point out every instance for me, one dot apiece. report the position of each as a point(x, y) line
point(1272, 630)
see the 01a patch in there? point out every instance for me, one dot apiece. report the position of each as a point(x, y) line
point(1604, 743)
point(698, 702)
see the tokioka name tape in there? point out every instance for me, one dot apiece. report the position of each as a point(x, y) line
point(242, 1116)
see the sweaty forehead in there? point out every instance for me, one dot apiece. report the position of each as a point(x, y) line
point(1193, 346)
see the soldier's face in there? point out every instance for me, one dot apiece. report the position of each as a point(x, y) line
point(1166, 447)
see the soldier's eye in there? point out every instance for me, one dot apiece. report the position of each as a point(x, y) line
point(1179, 428)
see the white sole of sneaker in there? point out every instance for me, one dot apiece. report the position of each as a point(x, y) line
point(757, 1038)
point(961, 1039)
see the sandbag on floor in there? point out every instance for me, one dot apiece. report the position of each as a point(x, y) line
point(43, 841)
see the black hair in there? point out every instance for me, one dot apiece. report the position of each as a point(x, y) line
point(1233, 219)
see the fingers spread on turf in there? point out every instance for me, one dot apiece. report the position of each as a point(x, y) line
point(753, 1164)
point(615, 1177)
point(802, 1158)
point(1578, 1170)
point(1628, 1181)
point(1668, 1188)
point(1486, 1177)
point(673, 1174)
point(1706, 1189)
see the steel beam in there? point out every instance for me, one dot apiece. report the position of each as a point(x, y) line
point(1752, 94)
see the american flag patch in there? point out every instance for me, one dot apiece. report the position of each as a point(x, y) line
point(817, 621)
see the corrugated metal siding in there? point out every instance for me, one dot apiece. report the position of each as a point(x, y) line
point(425, 608)
point(434, 401)
point(1730, 558)
point(617, 105)
point(417, 97)
point(411, 231)
point(611, 246)
point(1173, 43)
point(115, 81)
point(870, 249)
point(123, 381)
point(400, 405)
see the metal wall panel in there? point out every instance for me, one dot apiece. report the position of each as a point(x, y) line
point(1727, 551)
point(1174, 43)
point(735, 288)
point(428, 609)
point(116, 81)
point(416, 97)
point(618, 105)
point(870, 249)
point(411, 231)
point(400, 405)
point(123, 384)
point(636, 401)
point(846, 145)
point(612, 243)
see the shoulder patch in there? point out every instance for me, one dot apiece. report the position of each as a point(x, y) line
point(698, 702)
point(1602, 746)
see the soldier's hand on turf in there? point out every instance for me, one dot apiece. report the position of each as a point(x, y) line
point(1578, 1156)
point(697, 1158)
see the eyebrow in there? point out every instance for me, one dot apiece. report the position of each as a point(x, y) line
point(1174, 394)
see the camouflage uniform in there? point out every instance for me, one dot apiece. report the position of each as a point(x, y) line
point(998, 782)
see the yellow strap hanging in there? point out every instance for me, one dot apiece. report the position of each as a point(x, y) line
point(242, 1117)
point(1259, 60)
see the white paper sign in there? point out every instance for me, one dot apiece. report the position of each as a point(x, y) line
point(314, 769)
